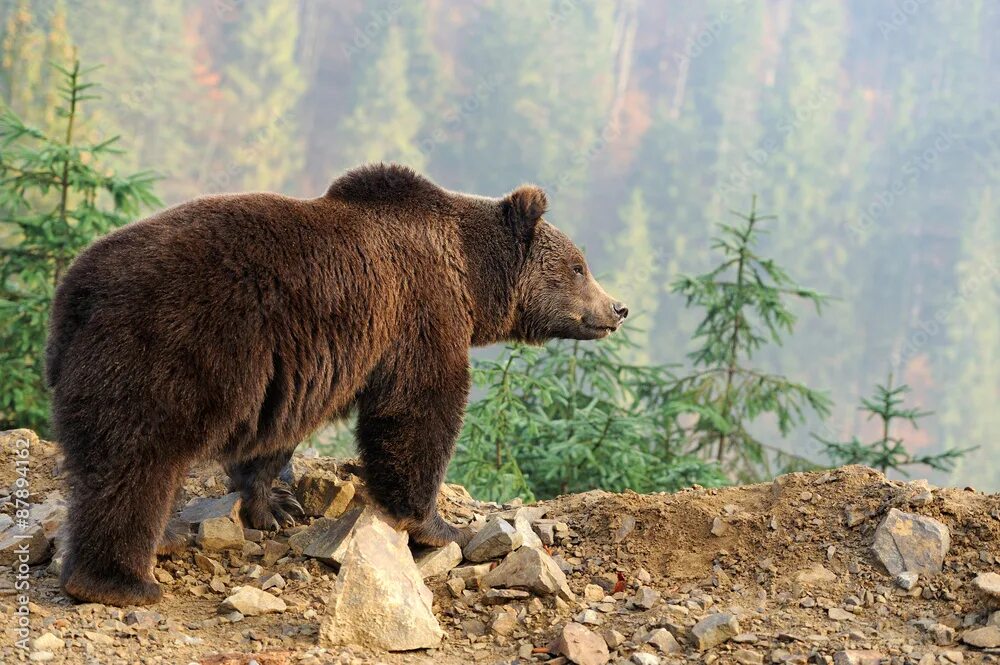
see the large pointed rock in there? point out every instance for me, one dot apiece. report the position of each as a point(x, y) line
point(328, 540)
point(379, 599)
point(493, 541)
point(531, 569)
point(909, 542)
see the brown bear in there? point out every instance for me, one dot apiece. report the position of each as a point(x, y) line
point(231, 326)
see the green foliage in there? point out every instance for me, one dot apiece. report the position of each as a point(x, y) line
point(569, 417)
point(743, 299)
point(888, 451)
point(55, 199)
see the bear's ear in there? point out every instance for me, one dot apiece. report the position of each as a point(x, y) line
point(524, 208)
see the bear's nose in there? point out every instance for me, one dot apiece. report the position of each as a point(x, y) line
point(620, 309)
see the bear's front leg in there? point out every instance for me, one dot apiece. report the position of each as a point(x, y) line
point(406, 433)
point(264, 506)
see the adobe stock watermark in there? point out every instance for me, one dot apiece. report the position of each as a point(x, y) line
point(700, 40)
point(983, 275)
point(21, 497)
point(250, 151)
point(580, 161)
point(457, 114)
point(908, 175)
point(376, 23)
point(902, 12)
point(740, 178)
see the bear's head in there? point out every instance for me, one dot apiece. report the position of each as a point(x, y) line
point(555, 294)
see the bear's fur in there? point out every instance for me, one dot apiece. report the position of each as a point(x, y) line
point(232, 326)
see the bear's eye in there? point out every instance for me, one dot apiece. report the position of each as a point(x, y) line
point(578, 269)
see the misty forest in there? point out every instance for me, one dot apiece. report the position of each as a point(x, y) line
point(798, 200)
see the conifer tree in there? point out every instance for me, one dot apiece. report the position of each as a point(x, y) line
point(385, 122)
point(743, 303)
point(637, 279)
point(56, 197)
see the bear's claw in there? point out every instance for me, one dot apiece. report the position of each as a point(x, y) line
point(276, 510)
point(435, 532)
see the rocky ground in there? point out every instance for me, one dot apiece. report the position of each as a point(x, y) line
point(838, 567)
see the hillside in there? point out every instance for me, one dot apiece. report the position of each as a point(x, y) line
point(783, 572)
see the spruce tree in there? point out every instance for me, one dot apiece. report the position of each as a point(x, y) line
point(743, 300)
point(56, 197)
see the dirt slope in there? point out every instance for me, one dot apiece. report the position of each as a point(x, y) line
point(739, 550)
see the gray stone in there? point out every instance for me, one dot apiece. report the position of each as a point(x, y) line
point(839, 614)
point(501, 596)
point(522, 524)
point(645, 598)
point(580, 645)
point(643, 658)
point(250, 601)
point(272, 581)
point(909, 542)
point(857, 657)
point(330, 540)
point(983, 638)
point(220, 533)
point(989, 584)
point(816, 575)
point(663, 640)
point(906, 580)
point(203, 508)
point(439, 560)
point(613, 638)
point(379, 599)
point(531, 569)
point(714, 630)
point(493, 541)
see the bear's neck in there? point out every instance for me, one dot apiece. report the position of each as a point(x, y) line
point(493, 264)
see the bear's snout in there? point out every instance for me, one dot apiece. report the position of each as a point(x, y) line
point(620, 310)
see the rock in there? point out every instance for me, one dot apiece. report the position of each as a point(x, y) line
point(204, 508)
point(643, 658)
point(34, 538)
point(857, 657)
point(719, 527)
point(439, 560)
point(747, 657)
point(815, 575)
point(47, 642)
point(714, 630)
point(663, 640)
point(379, 599)
point(493, 541)
point(988, 584)
point(983, 638)
point(208, 564)
point(250, 601)
point(838, 614)
point(273, 550)
point(909, 542)
point(272, 581)
point(531, 569)
point(503, 623)
point(143, 619)
point(330, 538)
point(613, 638)
point(323, 494)
point(645, 598)
point(471, 575)
point(220, 533)
point(593, 593)
point(522, 524)
point(456, 585)
point(580, 645)
point(907, 580)
point(624, 530)
point(589, 618)
point(502, 596)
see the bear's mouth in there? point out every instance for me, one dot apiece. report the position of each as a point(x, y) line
point(601, 330)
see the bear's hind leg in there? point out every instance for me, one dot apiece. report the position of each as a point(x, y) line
point(119, 507)
point(265, 507)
